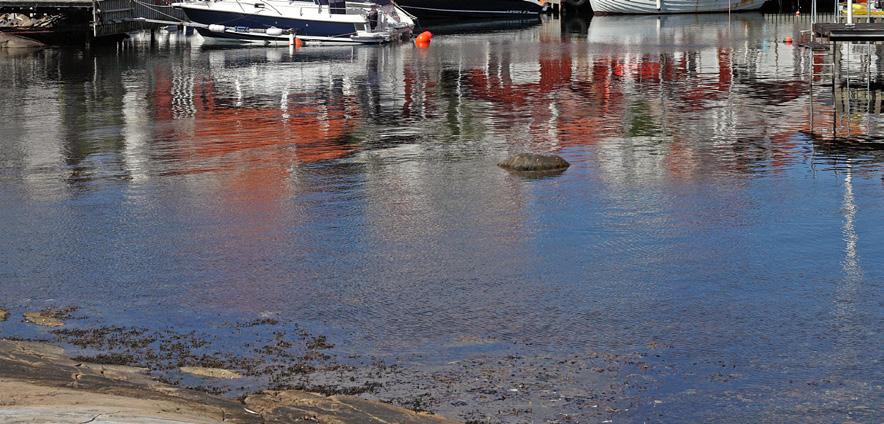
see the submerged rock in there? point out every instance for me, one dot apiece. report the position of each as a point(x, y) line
point(42, 318)
point(52, 316)
point(532, 162)
point(211, 372)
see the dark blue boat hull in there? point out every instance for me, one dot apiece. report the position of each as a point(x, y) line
point(482, 9)
point(301, 27)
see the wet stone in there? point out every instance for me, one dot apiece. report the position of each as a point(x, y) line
point(532, 162)
point(43, 319)
point(211, 372)
point(4, 314)
point(52, 316)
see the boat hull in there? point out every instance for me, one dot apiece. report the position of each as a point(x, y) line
point(230, 36)
point(650, 7)
point(482, 9)
point(303, 28)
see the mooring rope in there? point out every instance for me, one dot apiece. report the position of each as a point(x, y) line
point(151, 7)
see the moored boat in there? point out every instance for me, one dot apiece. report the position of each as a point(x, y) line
point(277, 21)
point(651, 7)
point(435, 9)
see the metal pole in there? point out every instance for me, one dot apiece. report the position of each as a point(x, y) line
point(812, 17)
point(849, 12)
point(95, 18)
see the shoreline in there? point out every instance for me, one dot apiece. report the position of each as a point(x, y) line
point(40, 383)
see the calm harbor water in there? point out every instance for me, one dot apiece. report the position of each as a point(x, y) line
point(721, 220)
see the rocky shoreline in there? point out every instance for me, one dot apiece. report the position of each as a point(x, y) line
point(39, 383)
point(277, 367)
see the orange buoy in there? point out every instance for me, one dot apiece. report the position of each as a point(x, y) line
point(424, 36)
point(298, 43)
point(422, 44)
point(788, 40)
point(797, 13)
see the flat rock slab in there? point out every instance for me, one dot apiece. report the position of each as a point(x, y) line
point(211, 372)
point(40, 384)
point(43, 319)
point(295, 406)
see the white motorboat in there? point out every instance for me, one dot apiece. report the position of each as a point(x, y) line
point(651, 7)
point(279, 21)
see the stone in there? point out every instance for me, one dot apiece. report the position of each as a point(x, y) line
point(288, 406)
point(211, 372)
point(532, 162)
point(4, 314)
point(42, 318)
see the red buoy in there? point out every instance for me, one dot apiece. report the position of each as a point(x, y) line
point(425, 36)
point(788, 40)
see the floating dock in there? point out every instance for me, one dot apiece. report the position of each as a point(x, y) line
point(871, 32)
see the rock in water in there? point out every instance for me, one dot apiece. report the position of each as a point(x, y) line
point(211, 372)
point(533, 163)
point(4, 314)
point(41, 318)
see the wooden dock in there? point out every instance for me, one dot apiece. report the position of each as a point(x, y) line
point(871, 32)
point(23, 6)
point(108, 17)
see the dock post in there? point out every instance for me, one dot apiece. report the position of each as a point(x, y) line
point(95, 18)
point(836, 77)
point(849, 12)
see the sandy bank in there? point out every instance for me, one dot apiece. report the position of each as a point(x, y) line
point(40, 384)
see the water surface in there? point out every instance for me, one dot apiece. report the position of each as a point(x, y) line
point(720, 226)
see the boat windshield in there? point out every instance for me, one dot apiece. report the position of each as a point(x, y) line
point(335, 6)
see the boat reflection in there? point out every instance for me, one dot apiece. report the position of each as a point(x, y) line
point(656, 32)
point(707, 91)
point(471, 26)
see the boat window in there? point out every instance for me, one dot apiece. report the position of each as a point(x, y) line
point(338, 6)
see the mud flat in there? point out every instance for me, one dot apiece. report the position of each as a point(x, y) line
point(40, 384)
